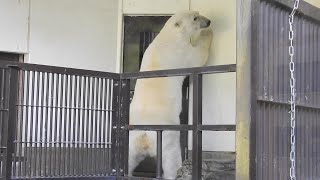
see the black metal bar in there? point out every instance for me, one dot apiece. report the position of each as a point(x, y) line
point(197, 120)
point(124, 120)
point(180, 72)
point(159, 154)
point(217, 127)
point(13, 76)
point(5, 94)
point(60, 70)
point(184, 118)
point(180, 127)
point(114, 130)
point(288, 104)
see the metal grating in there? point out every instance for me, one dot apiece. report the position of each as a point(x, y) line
point(4, 116)
point(63, 124)
point(272, 84)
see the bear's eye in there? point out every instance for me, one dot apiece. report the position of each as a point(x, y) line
point(195, 18)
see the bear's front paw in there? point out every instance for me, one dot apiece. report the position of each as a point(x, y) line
point(206, 32)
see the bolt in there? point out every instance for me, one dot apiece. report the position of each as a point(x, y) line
point(113, 170)
point(116, 84)
point(114, 127)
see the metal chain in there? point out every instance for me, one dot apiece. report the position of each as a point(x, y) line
point(293, 94)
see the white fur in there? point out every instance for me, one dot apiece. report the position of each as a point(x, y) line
point(157, 101)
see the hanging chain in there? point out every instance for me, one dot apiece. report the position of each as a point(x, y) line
point(293, 94)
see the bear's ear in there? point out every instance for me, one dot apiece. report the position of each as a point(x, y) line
point(178, 23)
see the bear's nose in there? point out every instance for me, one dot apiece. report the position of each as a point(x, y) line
point(208, 23)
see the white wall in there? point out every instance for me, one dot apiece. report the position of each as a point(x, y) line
point(74, 33)
point(14, 25)
point(314, 2)
point(219, 91)
point(154, 6)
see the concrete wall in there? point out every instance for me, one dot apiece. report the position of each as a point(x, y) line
point(14, 25)
point(74, 33)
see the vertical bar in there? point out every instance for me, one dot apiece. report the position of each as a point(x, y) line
point(197, 120)
point(124, 115)
point(105, 128)
point(91, 140)
point(58, 121)
point(184, 118)
point(114, 129)
point(101, 130)
point(31, 123)
point(5, 90)
point(159, 154)
point(84, 95)
point(42, 119)
point(70, 128)
point(96, 146)
point(74, 120)
point(78, 141)
point(46, 136)
point(64, 123)
point(21, 96)
point(51, 120)
point(36, 103)
point(108, 124)
point(9, 134)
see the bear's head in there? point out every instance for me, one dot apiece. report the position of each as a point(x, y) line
point(187, 22)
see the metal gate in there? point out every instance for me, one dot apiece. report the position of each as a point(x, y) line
point(271, 64)
point(60, 122)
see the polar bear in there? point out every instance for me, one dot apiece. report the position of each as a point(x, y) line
point(183, 42)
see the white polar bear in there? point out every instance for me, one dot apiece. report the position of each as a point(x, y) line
point(183, 42)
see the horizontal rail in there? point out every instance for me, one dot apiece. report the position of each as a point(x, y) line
point(180, 127)
point(64, 107)
point(217, 127)
point(63, 142)
point(180, 72)
point(71, 178)
point(60, 70)
point(259, 99)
